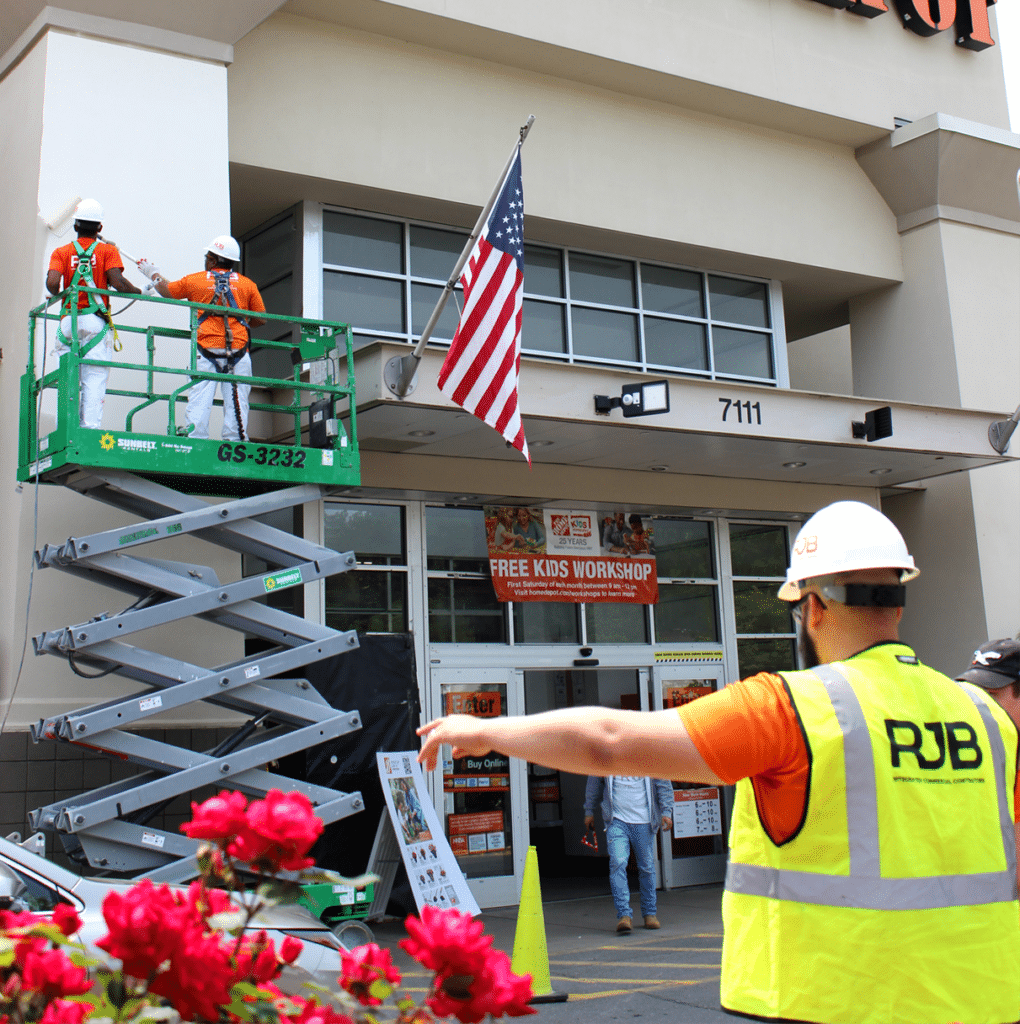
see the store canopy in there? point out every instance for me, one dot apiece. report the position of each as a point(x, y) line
point(713, 428)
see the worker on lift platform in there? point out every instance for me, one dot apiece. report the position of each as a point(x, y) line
point(91, 264)
point(224, 341)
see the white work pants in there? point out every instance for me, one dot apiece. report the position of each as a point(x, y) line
point(92, 390)
point(202, 394)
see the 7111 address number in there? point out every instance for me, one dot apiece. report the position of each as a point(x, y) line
point(262, 455)
point(743, 412)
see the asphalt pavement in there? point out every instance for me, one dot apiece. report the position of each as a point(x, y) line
point(670, 975)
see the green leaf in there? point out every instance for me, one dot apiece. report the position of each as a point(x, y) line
point(380, 989)
point(116, 992)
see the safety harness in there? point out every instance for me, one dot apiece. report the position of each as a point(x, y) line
point(82, 277)
point(224, 296)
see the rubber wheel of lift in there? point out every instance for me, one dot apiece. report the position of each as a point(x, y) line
point(352, 933)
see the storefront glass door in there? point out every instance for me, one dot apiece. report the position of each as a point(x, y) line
point(481, 798)
point(696, 851)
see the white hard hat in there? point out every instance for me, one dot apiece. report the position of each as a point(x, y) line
point(88, 209)
point(845, 537)
point(225, 247)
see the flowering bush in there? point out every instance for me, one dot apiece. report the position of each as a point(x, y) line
point(184, 954)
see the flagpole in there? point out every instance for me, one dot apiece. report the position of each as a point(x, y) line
point(399, 372)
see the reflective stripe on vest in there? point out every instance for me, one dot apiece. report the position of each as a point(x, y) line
point(864, 887)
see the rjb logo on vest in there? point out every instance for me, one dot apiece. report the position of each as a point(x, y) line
point(75, 261)
point(956, 738)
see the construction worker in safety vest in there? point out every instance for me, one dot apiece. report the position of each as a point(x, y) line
point(224, 341)
point(88, 263)
point(872, 873)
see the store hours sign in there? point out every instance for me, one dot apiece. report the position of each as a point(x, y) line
point(968, 19)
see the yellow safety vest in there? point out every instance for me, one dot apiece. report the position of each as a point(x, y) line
point(896, 900)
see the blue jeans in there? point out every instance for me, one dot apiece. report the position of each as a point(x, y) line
point(621, 838)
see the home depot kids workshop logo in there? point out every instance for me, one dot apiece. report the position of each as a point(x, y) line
point(570, 556)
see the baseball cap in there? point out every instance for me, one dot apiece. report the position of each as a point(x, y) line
point(996, 664)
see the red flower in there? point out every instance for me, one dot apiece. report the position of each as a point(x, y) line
point(290, 949)
point(206, 902)
point(447, 941)
point(279, 831)
point(66, 919)
point(53, 975)
point(362, 967)
point(63, 1011)
point(219, 817)
point(313, 1013)
point(161, 937)
point(494, 991)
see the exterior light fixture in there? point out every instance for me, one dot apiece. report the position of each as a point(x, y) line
point(1001, 431)
point(877, 424)
point(880, 472)
point(420, 433)
point(658, 469)
point(540, 444)
point(794, 465)
point(646, 399)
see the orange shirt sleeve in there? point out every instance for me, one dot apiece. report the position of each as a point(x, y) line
point(252, 299)
point(750, 730)
point(182, 288)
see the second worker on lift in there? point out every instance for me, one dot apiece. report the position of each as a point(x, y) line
point(224, 341)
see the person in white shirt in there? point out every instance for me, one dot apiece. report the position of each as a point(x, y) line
point(633, 809)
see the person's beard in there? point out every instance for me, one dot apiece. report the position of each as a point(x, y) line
point(806, 649)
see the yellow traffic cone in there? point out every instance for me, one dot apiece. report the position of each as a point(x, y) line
point(531, 956)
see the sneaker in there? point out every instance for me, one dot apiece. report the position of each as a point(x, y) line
point(623, 926)
point(651, 921)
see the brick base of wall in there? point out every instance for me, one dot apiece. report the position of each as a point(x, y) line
point(33, 775)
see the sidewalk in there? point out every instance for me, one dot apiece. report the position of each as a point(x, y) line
point(668, 975)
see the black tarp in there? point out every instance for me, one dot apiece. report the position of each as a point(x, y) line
point(378, 680)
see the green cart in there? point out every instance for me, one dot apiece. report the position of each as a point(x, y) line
point(343, 908)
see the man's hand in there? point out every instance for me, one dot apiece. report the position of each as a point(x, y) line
point(150, 270)
point(589, 821)
point(667, 823)
point(466, 734)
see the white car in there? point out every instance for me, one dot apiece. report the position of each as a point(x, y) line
point(30, 882)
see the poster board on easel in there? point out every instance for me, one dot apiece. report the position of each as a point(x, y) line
point(432, 869)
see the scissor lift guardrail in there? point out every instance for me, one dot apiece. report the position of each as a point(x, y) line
point(109, 826)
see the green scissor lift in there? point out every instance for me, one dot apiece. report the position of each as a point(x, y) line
point(144, 463)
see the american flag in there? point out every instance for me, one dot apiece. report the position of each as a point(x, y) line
point(482, 368)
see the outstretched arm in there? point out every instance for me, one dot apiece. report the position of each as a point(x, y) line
point(582, 740)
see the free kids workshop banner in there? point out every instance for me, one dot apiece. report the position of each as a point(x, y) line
point(557, 554)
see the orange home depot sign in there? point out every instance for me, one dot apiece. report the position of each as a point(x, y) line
point(969, 18)
point(481, 704)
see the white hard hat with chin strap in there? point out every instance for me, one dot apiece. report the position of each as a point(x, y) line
point(90, 210)
point(225, 247)
point(848, 536)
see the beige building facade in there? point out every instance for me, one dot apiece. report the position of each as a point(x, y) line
point(791, 212)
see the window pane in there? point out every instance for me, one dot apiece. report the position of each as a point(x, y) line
point(546, 622)
point(543, 327)
point(362, 242)
point(759, 610)
point(270, 253)
point(686, 614)
point(739, 302)
point(671, 291)
point(602, 279)
point(676, 343)
point(683, 550)
point(370, 602)
point(616, 623)
point(758, 549)
point(434, 253)
point(543, 271)
point(423, 301)
point(465, 612)
point(605, 335)
point(455, 540)
point(375, 533)
point(742, 352)
point(278, 298)
point(756, 656)
point(370, 303)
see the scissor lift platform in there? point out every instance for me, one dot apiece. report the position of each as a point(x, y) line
point(158, 477)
